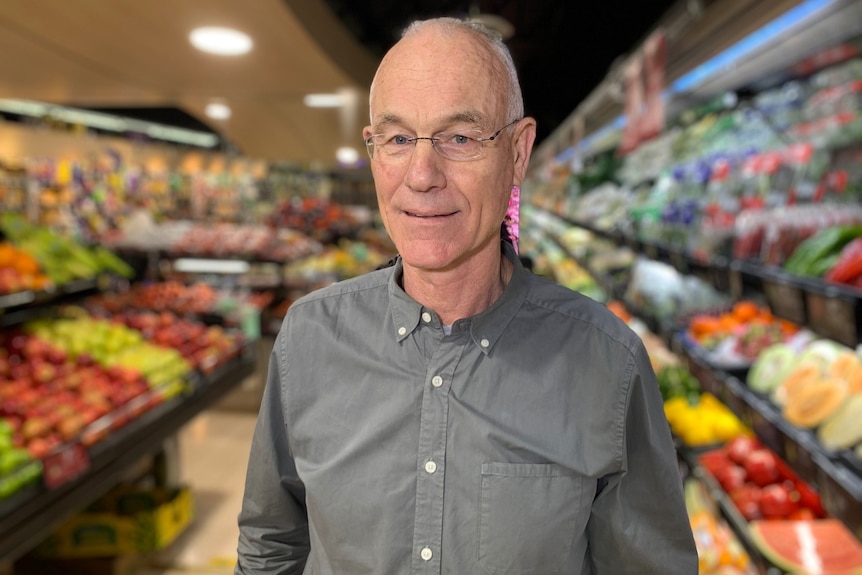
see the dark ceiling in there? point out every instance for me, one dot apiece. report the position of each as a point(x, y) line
point(562, 48)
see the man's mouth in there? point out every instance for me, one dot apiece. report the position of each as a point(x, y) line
point(427, 216)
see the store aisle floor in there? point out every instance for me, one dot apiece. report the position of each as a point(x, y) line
point(213, 453)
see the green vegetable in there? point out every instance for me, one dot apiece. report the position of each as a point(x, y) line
point(808, 258)
point(820, 267)
point(677, 380)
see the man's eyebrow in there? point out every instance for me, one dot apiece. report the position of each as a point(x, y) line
point(388, 119)
point(467, 117)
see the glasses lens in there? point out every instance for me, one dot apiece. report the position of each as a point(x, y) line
point(458, 147)
point(387, 148)
point(452, 146)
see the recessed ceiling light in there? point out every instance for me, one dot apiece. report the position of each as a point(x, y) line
point(217, 111)
point(347, 155)
point(323, 100)
point(221, 41)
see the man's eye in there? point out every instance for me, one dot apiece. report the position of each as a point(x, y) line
point(398, 140)
point(458, 139)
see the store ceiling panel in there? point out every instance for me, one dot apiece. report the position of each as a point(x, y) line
point(127, 53)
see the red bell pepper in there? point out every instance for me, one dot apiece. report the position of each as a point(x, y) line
point(849, 265)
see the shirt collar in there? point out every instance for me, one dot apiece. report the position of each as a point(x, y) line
point(485, 327)
point(404, 309)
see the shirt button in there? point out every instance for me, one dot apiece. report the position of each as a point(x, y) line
point(426, 553)
point(430, 467)
point(402, 330)
point(436, 381)
point(426, 317)
point(484, 343)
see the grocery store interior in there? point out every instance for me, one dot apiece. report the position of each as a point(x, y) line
point(174, 175)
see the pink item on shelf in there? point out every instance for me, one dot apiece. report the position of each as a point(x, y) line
point(513, 216)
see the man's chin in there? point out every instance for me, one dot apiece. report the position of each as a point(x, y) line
point(426, 257)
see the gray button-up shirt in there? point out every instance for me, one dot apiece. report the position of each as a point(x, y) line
point(531, 440)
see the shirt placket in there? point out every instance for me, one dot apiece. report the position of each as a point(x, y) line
point(430, 482)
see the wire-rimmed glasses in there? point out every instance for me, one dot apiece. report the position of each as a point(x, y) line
point(461, 146)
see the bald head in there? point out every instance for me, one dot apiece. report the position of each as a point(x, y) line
point(469, 40)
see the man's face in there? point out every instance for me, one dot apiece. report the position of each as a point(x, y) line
point(441, 213)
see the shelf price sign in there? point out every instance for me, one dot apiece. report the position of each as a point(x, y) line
point(65, 465)
point(644, 82)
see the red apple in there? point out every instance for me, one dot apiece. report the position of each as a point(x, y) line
point(43, 372)
point(70, 427)
point(57, 356)
point(38, 447)
point(34, 427)
point(35, 348)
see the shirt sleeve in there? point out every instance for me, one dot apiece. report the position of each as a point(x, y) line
point(273, 523)
point(639, 523)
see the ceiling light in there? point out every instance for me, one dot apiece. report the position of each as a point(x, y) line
point(109, 122)
point(221, 41)
point(217, 111)
point(347, 155)
point(323, 100)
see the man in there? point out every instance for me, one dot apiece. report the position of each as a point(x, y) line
point(454, 413)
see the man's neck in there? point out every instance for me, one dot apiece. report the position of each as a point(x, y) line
point(459, 293)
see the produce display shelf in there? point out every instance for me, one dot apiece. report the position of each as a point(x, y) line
point(829, 309)
point(714, 269)
point(32, 513)
point(836, 476)
point(612, 287)
point(838, 482)
point(19, 307)
point(159, 254)
point(729, 512)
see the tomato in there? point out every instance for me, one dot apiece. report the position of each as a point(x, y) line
point(802, 514)
point(714, 460)
point(747, 501)
point(730, 477)
point(778, 501)
point(761, 467)
point(809, 498)
point(739, 448)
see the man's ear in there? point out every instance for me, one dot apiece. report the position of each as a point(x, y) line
point(522, 148)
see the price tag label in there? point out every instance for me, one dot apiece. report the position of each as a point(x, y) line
point(64, 465)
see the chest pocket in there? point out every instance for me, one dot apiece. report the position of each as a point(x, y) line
point(529, 517)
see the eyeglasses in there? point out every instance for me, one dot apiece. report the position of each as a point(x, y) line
point(459, 147)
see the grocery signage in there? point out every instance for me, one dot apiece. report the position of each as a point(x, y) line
point(644, 83)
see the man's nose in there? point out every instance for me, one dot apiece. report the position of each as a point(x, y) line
point(424, 169)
